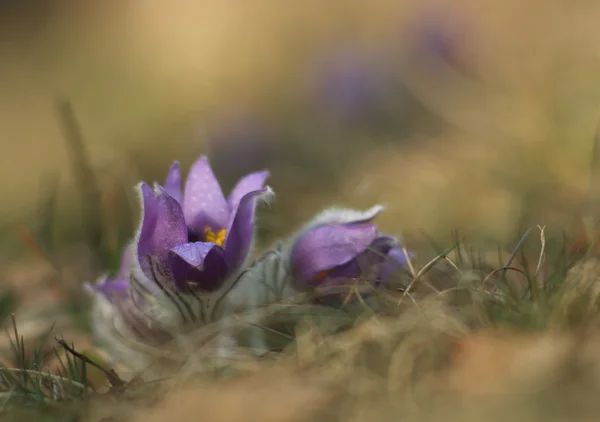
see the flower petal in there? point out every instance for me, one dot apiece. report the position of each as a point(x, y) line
point(203, 201)
point(376, 254)
point(173, 182)
point(329, 246)
point(109, 288)
point(199, 262)
point(392, 265)
point(241, 229)
point(350, 84)
point(119, 285)
point(336, 215)
point(247, 184)
point(127, 260)
point(366, 264)
point(162, 227)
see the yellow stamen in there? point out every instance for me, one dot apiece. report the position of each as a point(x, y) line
point(218, 238)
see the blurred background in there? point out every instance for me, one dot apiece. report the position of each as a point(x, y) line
point(464, 115)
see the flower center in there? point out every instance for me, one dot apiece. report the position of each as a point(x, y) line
point(218, 238)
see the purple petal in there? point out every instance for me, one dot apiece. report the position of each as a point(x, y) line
point(239, 144)
point(393, 264)
point(247, 184)
point(350, 83)
point(371, 259)
point(173, 182)
point(113, 288)
point(199, 262)
point(127, 260)
point(162, 227)
point(119, 285)
point(376, 265)
point(330, 246)
point(110, 288)
point(241, 230)
point(440, 35)
point(366, 264)
point(203, 202)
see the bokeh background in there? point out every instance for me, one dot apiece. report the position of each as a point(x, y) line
point(447, 111)
point(470, 115)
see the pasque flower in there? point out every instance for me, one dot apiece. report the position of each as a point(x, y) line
point(442, 37)
point(187, 262)
point(122, 318)
point(342, 246)
point(117, 287)
point(195, 241)
point(329, 254)
point(352, 84)
point(188, 250)
point(334, 249)
point(189, 242)
point(239, 143)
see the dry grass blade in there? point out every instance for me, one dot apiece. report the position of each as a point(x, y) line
point(423, 271)
point(89, 190)
point(112, 376)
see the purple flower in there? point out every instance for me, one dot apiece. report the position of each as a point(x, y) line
point(117, 287)
point(340, 246)
point(352, 85)
point(240, 143)
point(439, 36)
point(116, 300)
point(197, 239)
point(186, 255)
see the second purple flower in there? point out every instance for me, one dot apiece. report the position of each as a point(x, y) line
point(341, 246)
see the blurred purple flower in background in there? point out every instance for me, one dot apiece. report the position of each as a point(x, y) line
point(239, 145)
point(440, 35)
point(351, 85)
